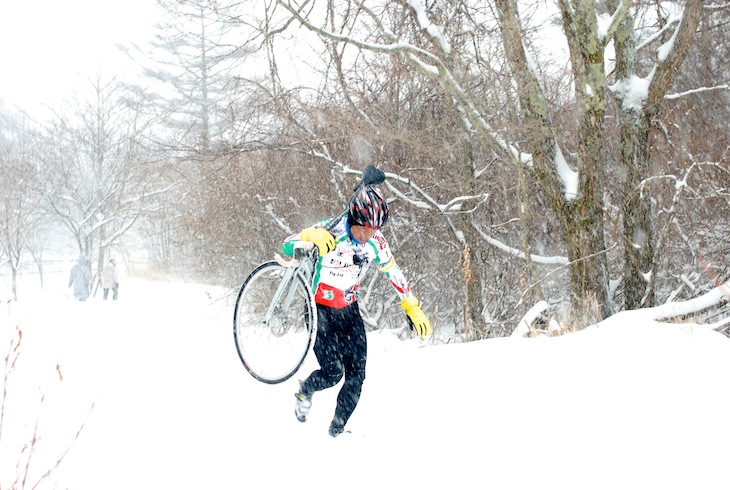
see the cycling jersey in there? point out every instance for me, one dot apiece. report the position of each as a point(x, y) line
point(338, 274)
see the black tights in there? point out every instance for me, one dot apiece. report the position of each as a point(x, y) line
point(341, 349)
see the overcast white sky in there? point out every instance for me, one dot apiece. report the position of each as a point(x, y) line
point(45, 45)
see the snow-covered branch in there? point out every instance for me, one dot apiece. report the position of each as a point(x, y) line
point(557, 269)
point(697, 91)
point(718, 295)
point(120, 231)
point(669, 25)
point(672, 53)
point(433, 32)
point(523, 327)
point(426, 201)
point(607, 29)
point(568, 177)
point(515, 252)
point(269, 209)
point(392, 48)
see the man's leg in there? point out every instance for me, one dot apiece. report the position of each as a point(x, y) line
point(354, 358)
point(331, 369)
point(326, 350)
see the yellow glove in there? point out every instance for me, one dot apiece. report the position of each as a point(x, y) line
point(416, 316)
point(321, 238)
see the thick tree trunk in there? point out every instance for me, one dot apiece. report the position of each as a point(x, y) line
point(637, 221)
point(580, 216)
point(582, 225)
point(640, 256)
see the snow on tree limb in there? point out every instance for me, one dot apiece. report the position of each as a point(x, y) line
point(426, 201)
point(434, 32)
point(608, 27)
point(568, 177)
point(715, 297)
point(672, 55)
point(515, 252)
point(523, 327)
point(696, 91)
point(666, 48)
point(669, 25)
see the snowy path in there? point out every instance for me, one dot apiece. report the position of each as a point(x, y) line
point(629, 406)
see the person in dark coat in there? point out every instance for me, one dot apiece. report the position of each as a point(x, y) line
point(80, 279)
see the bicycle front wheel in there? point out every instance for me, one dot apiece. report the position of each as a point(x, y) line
point(273, 323)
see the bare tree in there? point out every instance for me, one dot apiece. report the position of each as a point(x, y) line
point(191, 78)
point(20, 210)
point(190, 67)
point(422, 35)
point(99, 178)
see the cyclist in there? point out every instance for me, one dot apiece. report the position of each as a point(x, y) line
point(341, 346)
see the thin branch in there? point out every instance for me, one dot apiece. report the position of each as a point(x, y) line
point(564, 266)
point(670, 23)
point(65, 453)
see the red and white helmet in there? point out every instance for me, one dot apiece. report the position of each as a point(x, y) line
point(368, 208)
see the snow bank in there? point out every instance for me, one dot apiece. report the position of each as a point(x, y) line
point(624, 405)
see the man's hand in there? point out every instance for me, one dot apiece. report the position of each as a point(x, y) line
point(321, 238)
point(418, 319)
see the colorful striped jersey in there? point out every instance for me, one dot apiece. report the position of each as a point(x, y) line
point(338, 274)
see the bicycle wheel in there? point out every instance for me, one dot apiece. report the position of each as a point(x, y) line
point(273, 349)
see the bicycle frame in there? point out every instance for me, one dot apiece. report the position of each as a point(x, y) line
point(303, 263)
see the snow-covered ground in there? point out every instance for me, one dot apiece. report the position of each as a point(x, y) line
point(629, 405)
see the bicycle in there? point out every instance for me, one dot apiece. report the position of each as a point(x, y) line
point(275, 317)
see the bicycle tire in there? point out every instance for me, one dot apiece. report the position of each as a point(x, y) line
point(274, 352)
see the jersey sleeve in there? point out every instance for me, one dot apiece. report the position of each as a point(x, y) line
point(287, 248)
point(387, 266)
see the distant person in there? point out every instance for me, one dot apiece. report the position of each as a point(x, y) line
point(80, 279)
point(110, 280)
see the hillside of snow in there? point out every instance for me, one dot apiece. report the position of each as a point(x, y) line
point(163, 401)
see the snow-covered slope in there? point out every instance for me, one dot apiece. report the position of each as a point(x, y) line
point(628, 404)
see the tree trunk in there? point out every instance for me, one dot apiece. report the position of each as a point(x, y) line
point(524, 211)
point(470, 260)
point(580, 216)
point(582, 225)
point(640, 256)
point(638, 231)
